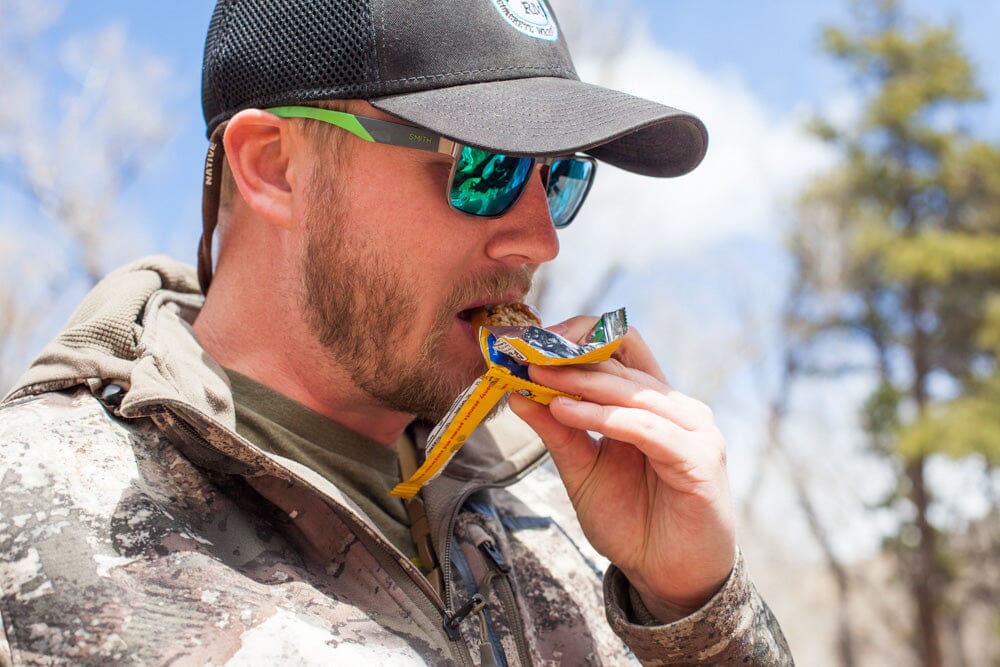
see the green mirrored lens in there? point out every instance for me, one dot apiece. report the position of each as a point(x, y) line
point(569, 181)
point(487, 183)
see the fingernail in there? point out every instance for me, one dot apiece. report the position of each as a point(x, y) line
point(560, 328)
point(563, 401)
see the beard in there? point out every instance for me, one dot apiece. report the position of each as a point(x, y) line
point(358, 304)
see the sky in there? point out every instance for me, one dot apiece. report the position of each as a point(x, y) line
point(704, 258)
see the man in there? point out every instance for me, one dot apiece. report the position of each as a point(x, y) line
point(194, 480)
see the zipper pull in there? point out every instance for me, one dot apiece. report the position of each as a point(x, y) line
point(494, 555)
point(471, 606)
point(486, 657)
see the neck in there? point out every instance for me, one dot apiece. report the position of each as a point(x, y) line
point(288, 358)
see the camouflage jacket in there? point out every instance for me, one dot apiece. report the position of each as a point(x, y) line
point(136, 527)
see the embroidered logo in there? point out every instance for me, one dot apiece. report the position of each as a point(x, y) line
point(532, 17)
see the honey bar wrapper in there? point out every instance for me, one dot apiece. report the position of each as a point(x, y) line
point(508, 351)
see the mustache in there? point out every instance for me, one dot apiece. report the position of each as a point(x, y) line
point(493, 287)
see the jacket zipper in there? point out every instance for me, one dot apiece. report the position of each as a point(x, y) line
point(490, 648)
point(504, 589)
point(508, 600)
point(432, 595)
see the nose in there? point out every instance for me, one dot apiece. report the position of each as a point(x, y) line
point(525, 234)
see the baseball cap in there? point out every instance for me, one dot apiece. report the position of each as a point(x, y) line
point(493, 74)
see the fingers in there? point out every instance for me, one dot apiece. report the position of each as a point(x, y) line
point(660, 439)
point(572, 450)
point(551, 431)
point(626, 399)
point(612, 384)
point(575, 328)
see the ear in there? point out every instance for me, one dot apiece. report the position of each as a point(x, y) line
point(258, 150)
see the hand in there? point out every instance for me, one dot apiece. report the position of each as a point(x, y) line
point(652, 494)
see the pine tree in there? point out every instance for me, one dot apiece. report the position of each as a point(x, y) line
point(910, 221)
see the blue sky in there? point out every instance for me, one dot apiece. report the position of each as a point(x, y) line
point(773, 45)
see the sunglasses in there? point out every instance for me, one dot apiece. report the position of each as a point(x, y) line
point(481, 183)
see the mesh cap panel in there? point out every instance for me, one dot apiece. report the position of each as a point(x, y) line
point(257, 56)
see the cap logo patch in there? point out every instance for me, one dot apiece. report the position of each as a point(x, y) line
point(531, 17)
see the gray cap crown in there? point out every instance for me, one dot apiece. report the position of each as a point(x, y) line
point(471, 70)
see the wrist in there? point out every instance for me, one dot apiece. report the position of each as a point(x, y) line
point(678, 598)
point(652, 609)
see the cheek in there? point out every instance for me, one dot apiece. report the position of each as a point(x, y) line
point(396, 185)
point(401, 208)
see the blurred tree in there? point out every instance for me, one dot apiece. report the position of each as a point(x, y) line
point(899, 247)
point(82, 116)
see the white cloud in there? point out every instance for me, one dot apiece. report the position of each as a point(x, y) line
point(755, 163)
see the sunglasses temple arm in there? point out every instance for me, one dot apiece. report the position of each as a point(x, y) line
point(385, 132)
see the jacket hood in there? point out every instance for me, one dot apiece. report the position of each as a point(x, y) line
point(134, 330)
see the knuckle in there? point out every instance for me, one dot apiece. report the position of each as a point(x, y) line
point(647, 426)
point(701, 410)
point(722, 455)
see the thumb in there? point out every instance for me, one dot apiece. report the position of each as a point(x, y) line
point(575, 328)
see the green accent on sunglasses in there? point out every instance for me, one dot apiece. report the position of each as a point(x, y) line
point(341, 119)
point(374, 130)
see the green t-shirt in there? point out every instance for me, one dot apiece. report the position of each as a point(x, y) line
point(363, 469)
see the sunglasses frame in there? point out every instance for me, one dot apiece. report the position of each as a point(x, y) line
point(380, 131)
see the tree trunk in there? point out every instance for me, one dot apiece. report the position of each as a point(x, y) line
point(925, 578)
point(924, 575)
point(845, 639)
point(778, 410)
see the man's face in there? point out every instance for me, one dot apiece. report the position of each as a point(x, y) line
point(390, 272)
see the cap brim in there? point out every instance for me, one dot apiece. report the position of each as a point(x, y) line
point(553, 116)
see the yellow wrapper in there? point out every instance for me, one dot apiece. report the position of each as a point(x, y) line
point(507, 351)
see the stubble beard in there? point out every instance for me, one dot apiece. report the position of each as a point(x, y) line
point(357, 305)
